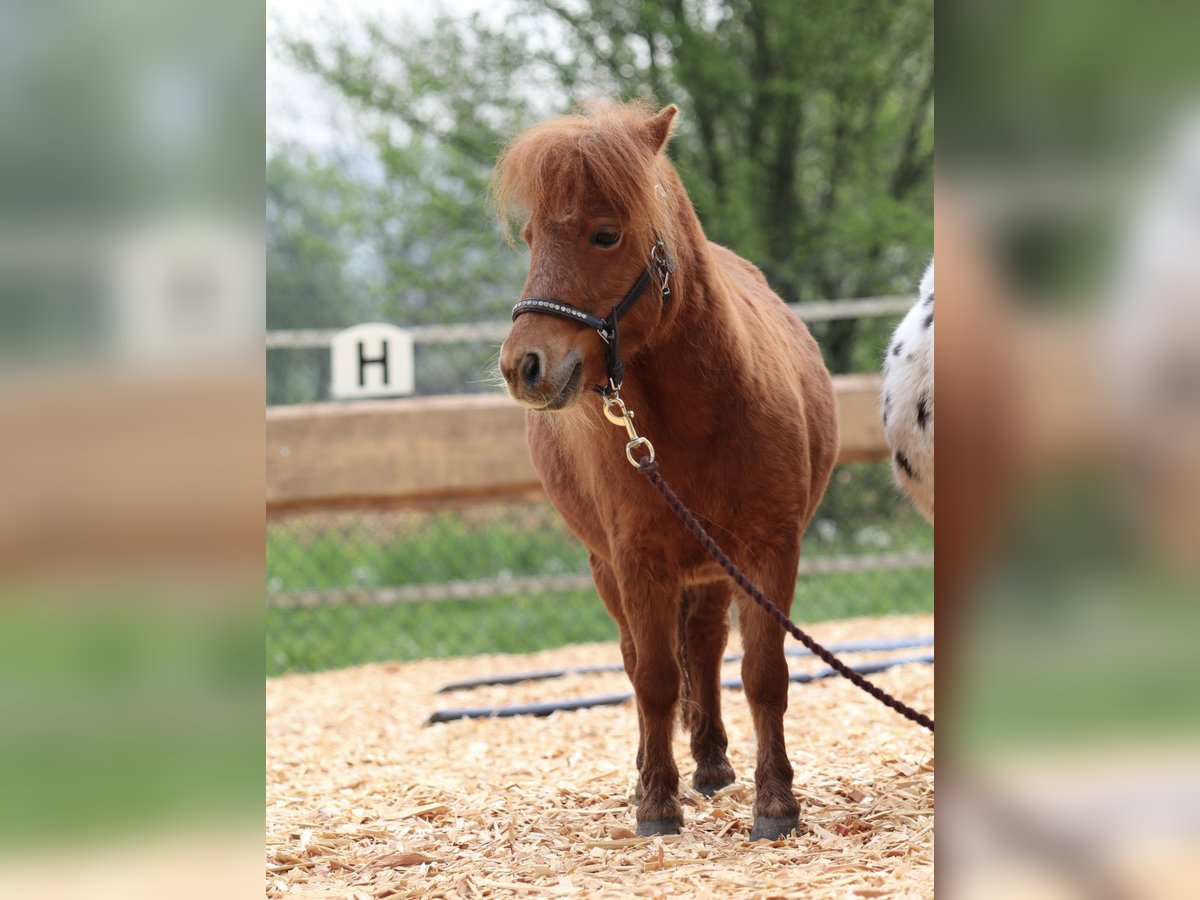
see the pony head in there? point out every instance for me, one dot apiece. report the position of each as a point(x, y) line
point(595, 192)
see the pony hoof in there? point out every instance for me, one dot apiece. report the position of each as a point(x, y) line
point(772, 828)
point(656, 827)
point(709, 788)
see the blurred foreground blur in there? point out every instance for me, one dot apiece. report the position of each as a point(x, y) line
point(131, 397)
point(131, 403)
point(1068, 247)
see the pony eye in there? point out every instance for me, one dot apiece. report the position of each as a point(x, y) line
point(606, 237)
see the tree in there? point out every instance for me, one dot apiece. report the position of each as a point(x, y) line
point(436, 107)
point(313, 225)
point(807, 136)
point(309, 239)
point(805, 141)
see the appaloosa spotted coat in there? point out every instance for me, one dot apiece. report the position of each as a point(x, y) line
point(908, 399)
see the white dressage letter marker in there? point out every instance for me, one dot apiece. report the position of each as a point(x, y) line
point(371, 360)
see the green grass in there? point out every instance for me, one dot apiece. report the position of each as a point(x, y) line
point(345, 635)
point(126, 711)
point(335, 636)
point(411, 548)
point(861, 514)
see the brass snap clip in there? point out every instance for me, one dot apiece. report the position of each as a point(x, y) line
point(617, 413)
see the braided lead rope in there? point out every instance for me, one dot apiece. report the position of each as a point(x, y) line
point(648, 467)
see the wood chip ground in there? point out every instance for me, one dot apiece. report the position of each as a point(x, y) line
point(364, 800)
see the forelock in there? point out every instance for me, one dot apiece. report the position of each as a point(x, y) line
point(559, 166)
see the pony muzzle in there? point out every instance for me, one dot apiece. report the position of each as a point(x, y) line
point(537, 381)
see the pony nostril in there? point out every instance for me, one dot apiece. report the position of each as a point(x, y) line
point(531, 370)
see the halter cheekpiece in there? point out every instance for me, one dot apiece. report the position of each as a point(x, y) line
point(607, 327)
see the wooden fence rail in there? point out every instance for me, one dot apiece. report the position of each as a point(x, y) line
point(822, 311)
point(431, 452)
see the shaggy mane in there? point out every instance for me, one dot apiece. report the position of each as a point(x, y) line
point(559, 166)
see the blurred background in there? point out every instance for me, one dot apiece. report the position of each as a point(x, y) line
point(805, 140)
point(131, 395)
point(132, 389)
point(1068, 234)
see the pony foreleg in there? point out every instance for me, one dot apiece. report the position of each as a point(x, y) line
point(651, 612)
point(765, 678)
point(705, 620)
point(606, 586)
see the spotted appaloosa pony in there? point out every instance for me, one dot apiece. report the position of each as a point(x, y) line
point(730, 387)
point(908, 399)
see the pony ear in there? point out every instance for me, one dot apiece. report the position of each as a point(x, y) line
point(658, 128)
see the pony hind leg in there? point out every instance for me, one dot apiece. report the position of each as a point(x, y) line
point(704, 632)
point(765, 677)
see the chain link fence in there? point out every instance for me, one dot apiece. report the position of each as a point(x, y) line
point(351, 587)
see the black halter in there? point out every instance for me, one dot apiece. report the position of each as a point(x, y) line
point(606, 327)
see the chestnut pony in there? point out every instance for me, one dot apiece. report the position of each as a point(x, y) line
point(730, 387)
